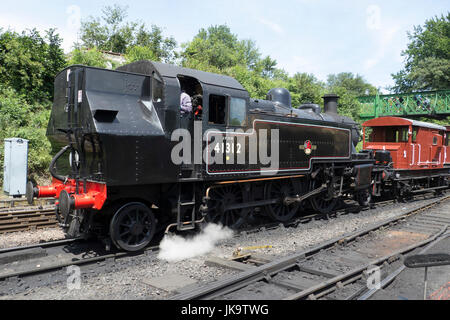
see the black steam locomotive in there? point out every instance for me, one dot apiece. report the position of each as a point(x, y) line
point(130, 162)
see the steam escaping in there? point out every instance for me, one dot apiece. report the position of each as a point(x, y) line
point(176, 248)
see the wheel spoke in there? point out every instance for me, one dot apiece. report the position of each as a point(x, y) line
point(124, 233)
point(222, 197)
point(279, 190)
point(132, 227)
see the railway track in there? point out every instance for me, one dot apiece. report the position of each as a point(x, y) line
point(16, 215)
point(55, 255)
point(310, 215)
point(12, 203)
point(38, 259)
point(27, 218)
point(337, 269)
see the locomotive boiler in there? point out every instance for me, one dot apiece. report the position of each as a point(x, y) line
point(130, 163)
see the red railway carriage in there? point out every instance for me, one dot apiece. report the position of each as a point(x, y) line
point(409, 154)
point(413, 145)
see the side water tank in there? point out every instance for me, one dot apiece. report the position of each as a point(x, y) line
point(15, 167)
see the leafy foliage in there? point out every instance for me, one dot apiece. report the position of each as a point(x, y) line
point(427, 65)
point(29, 62)
point(91, 57)
point(112, 33)
point(15, 121)
point(305, 88)
point(349, 86)
point(138, 53)
point(354, 84)
point(218, 50)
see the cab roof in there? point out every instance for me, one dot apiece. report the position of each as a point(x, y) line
point(172, 71)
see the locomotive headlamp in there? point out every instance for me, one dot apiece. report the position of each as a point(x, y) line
point(76, 157)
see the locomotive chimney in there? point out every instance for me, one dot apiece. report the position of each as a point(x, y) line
point(330, 102)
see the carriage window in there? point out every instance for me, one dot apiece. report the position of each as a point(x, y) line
point(369, 134)
point(435, 141)
point(217, 109)
point(237, 112)
point(447, 138)
point(414, 135)
point(396, 134)
point(404, 135)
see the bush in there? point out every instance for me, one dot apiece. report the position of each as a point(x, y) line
point(91, 58)
point(19, 119)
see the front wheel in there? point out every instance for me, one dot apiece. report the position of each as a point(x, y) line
point(132, 227)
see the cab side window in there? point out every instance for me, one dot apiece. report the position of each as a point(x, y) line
point(237, 112)
point(217, 109)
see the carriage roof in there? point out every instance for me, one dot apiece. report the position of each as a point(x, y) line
point(397, 121)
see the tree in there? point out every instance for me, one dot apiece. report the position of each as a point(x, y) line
point(216, 49)
point(305, 88)
point(162, 48)
point(349, 87)
point(110, 36)
point(138, 53)
point(93, 34)
point(91, 58)
point(54, 62)
point(427, 58)
point(20, 118)
point(354, 84)
point(112, 32)
point(29, 62)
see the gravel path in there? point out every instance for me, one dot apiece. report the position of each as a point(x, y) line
point(126, 278)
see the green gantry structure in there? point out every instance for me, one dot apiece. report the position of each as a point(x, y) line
point(432, 104)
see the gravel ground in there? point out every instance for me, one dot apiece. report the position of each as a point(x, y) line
point(127, 277)
point(24, 238)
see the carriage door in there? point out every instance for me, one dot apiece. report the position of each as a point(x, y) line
point(436, 148)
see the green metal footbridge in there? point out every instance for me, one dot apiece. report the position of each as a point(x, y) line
point(431, 104)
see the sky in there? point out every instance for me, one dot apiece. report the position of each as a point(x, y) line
point(321, 37)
